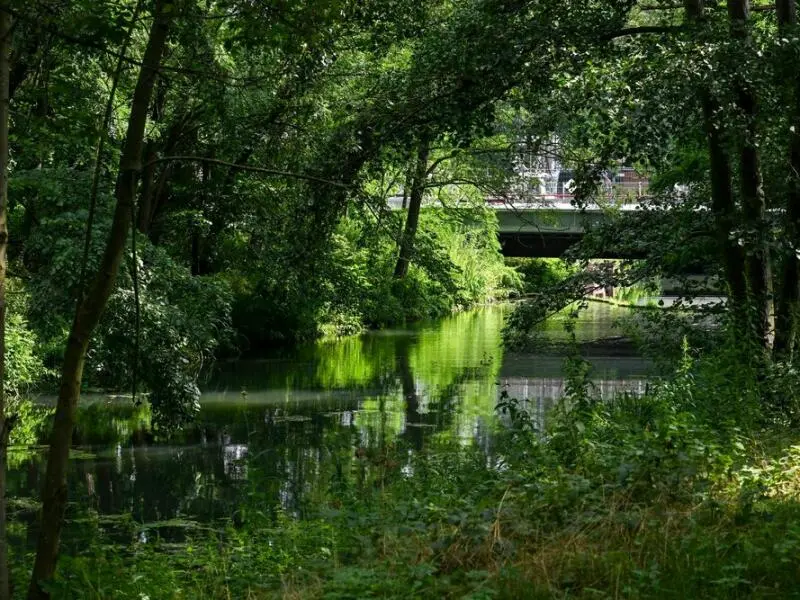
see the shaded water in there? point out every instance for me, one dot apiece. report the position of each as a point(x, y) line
point(279, 428)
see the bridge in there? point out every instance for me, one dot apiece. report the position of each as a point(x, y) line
point(540, 219)
point(537, 217)
point(546, 229)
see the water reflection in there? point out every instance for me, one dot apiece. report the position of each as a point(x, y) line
point(281, 431)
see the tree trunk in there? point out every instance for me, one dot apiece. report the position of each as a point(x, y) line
point(787, 12)
point(152, 202)
point(147, 188)
point(695, 9)
point(722, 202)
point(54, 493)
point(153, 188)
point(724, 210)
point(414, 206)
point(5, 70)
point(217, 213)
point(752, 192)
point(407, 184)
point(788, 299)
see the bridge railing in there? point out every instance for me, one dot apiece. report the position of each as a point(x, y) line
point(625, 187)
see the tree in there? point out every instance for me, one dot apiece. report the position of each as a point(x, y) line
point(787, 304)
point(327, 94)
point(90, 309)
point(752, 192)
point(415, 196)
point(6, 30)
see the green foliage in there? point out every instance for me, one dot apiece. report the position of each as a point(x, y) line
point(339, 91)
point(330, 97)
point(456, 265)
point(539, 274)
point(23, 365)
point(24, 370)
point(182, 321)
point(31, 423)
point(183, 318)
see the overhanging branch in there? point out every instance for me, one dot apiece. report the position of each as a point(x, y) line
point(240, 167)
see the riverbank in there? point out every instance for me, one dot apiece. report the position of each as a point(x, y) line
point(680, 493)
point(397, 465)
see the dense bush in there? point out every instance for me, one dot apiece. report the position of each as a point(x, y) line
point(24, 367)
point(24, 370)
point(457, 264)
point(182, 321)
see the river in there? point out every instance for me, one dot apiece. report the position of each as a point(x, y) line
point(280, 426)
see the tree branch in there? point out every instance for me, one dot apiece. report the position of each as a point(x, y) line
point(662, 7)
point(473, 152)
point(439, 161)
point(658, 29)
point(265, 171)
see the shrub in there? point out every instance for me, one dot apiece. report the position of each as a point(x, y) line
point(183, 320)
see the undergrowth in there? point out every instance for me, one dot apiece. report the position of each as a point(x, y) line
point(689, 491)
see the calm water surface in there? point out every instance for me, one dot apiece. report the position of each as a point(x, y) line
point(280, 427)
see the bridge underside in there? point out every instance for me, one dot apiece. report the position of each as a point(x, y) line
point(547, 245)
point(537, 245)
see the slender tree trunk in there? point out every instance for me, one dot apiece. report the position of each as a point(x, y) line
point(147, 188)
point(23, 61)
point(217, 214)
point(787, 12)
point(407, 184)
point(153, 187)
point(102, 135)
point(695, 10)
point(752, 192)
point(788, 300)
point(5, 60)
point(54, 493)
point(414, 206)
point(152, 202)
